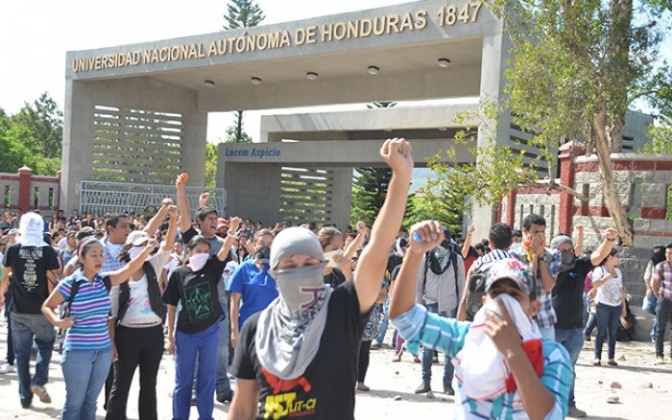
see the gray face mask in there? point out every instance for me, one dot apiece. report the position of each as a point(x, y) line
point(301, 288)
point(567, 260)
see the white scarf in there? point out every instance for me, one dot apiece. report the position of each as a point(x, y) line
point(480, 368)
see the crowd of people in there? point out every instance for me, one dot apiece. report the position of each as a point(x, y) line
point(293, 312)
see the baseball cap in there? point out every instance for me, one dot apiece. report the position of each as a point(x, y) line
point(222, 223)
point(512, 269)
point(137, 238)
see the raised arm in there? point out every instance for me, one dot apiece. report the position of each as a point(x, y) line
point(225, 250)
point(168, 243)
point(119, 276)
point(579, 241)
point(155, 222)
point(605, 247)
point(357, 242)
point(467, 242)
point(182, 204)
point(373, 261)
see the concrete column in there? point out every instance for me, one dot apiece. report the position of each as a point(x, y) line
point(568, 152)
point(25, 194)
point(511, 209)
point(494, 55)
point(341, 199)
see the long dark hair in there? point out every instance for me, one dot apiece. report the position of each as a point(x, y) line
point(196, 240)
point(613, 252)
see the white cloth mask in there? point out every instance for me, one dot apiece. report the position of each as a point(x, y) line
point(135, 251)
point(197, 261)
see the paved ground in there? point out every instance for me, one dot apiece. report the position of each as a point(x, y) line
point(645, 393)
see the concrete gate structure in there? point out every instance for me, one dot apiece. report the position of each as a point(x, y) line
point(138, 113)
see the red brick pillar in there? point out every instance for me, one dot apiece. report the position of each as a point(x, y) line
point(511, 208)
point(25, 196)
point(568, 152)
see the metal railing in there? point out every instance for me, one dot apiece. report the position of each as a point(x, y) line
point(101, 198)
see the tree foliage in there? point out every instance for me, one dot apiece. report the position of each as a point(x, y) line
point(242, 14)
point(210, 165)
point(33, 137)
point(235, 133)
point(575, 69)
point(661, 138)
point(368, 195)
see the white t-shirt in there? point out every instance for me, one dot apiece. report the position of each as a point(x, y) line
point(63, 243)
point(139, 309)
point(610, 292)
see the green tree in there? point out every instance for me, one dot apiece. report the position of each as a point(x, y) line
point(241, 14)
point(661, 137)
point(45, 120)
point(598, 58)
point(368, 195)
point(210, 165)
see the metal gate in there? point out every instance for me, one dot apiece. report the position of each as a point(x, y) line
point(102, 198)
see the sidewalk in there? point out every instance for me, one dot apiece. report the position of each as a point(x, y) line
point(390, 381)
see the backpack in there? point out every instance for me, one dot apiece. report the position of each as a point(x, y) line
point(73, 292)
point(453, 261)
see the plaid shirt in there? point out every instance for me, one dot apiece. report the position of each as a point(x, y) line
point(419, 327)
point(546, 317)
point(111, 262)
point(663, 274)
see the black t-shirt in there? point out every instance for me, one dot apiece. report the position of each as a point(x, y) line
point(29, 276)
point(198, 293)
point(335, 278)
point(567, 295)
point(327, 388)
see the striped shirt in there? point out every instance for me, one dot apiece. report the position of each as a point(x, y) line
point(90, 308)
point(431, 331)
point(546, 317)
point(663, 274)
point(484, 262)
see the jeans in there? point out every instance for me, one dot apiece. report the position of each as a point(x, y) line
point(428, 354)
point(548, 333)
point(573, 342)
point(8, 316)
point(25, 328)
point(84, 372)
point(590, 326)
point(205, 345)
point(607, 324)
point(586, 309)
point(383, 324)
point(663, 315)
point(137, 348)
point(649, 305)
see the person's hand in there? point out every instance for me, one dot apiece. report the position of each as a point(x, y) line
point(171, 345)
point(591, 294)
point(397, 155)
point(538, 244)
point(341, 260)
point(649, 293)
point(234, 223)
point(172, 211)
point(66, 323)
point(234, 338)
point(115, 354)
point(579, 229)
point(361, 227)
point(611, 234)
point(181, 180)
point(167, 202)
point(470, 230)
point(503, 332)
point(203, 199)
point(430, 234)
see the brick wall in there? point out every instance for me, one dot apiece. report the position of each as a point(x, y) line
point(25, 191)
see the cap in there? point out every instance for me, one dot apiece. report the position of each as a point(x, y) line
point(137, 238)
point(13, 232)
point(70, 233)
point(222, 223)
point(513, 269)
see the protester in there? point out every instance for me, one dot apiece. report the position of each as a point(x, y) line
point(662, 287)
point(370, 332)
point(650, 301)
point(608, 280)
point(87, 350)
point(441, 281)
point(568, 297)
point(139, 313)
point(194, 287)
point(34, 269)
point(304, 345)
point(505, 369)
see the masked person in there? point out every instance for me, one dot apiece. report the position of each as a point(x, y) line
point(439, 287)
point(504, 368)
point(567, 296)
point(298, 357)
point(194, 287)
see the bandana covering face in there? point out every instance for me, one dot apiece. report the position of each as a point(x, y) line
point(290, 328)
point(197, 261)
point(31, 228)
point(480, 368)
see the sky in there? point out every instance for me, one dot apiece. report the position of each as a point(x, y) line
point(36, 34)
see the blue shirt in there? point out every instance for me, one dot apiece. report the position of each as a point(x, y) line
point(447, 335)
point(90, 308)
point(257, 288)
